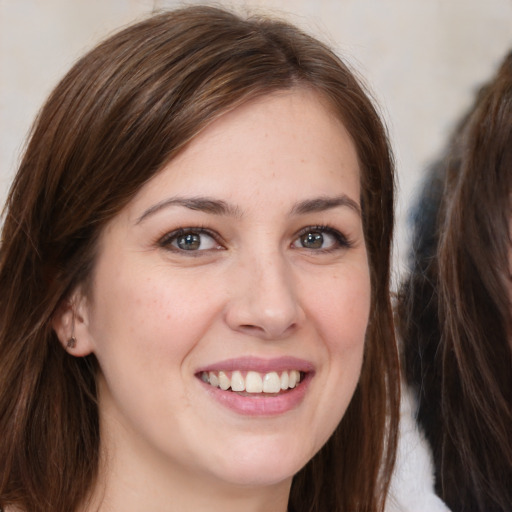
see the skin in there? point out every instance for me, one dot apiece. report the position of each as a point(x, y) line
point(156, 314)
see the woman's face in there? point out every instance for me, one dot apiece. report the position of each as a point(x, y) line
point(238, 269)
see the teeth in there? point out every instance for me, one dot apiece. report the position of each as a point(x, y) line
point(214, 380)
point(284, 380)
point(271, 383)
point(292, 379)
point(237, 382)
point(253, 382)
point(224, 381)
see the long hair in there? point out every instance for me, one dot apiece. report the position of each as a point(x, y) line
point(116, 119)
point(455, 307)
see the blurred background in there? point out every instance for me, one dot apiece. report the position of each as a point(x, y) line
point(423, 60)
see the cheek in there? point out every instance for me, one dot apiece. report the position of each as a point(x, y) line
point(341, 315)
point(147, 319)
point(144, 330)
point(342, 311)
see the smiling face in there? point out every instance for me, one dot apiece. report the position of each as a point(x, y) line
point(238, 269)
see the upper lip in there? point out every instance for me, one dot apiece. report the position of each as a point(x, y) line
point(259, 364)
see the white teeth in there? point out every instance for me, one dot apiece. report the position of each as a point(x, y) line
point(271, 383)
point(214, 380)
point(284, 380)
point(253, 382)
point(292, 380)
point(224, 381)
point(237, 382)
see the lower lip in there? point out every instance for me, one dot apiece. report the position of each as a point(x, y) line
point(260, 404)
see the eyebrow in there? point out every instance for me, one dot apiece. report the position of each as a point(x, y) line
point(321, 204)
point(220, 207)
point(202, 204)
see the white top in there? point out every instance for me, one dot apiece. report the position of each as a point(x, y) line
point(412, 484)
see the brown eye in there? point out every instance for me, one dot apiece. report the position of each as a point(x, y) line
point(321, 239)
point(313, 240)
point(189, 240)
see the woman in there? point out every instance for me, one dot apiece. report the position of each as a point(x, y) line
point(455, 307)
point(194, 274)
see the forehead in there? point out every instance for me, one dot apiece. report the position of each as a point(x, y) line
point(275, 129)
point(287, 146)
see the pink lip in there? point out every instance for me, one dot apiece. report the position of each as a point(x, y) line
point(260, 404)
point(259, 364)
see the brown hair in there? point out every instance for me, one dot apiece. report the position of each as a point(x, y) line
point(455, 307)
point(121, 113)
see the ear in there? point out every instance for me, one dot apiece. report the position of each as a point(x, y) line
point(70, 323)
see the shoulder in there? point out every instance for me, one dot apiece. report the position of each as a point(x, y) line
point(412, 483)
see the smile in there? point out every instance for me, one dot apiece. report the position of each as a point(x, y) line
point(253, 386)
point(253, 382)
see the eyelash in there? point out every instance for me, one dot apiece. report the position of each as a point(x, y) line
point(342, 242)
point(167, 240)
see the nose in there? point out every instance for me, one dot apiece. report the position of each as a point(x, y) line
point(264, 300)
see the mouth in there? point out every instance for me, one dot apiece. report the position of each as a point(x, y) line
point(258, 387)
point(249, 383)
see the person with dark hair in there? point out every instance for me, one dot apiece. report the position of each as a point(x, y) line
point(194, 280)
point(454, 310)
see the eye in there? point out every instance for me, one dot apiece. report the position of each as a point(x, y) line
point(320, 238)
point(192, 240)
point(315, 240)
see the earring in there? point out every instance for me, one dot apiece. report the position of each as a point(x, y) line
point(72, 341)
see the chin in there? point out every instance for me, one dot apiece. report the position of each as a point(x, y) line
point(258, 477)
point(264, 467)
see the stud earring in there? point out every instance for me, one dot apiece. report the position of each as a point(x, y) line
point(71, 343)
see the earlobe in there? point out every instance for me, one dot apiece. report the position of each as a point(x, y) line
point(70, 326)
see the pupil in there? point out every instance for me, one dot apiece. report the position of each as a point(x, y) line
point(312, 240)
point(189, 242)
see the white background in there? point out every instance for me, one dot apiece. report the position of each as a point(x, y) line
point(423, 60)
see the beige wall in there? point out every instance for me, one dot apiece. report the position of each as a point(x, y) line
point(422, 58)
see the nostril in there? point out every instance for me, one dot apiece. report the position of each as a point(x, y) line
point(267, 331)
point(251, 328)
